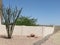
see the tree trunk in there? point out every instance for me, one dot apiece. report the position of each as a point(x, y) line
point(10, 29)
point(9, 34)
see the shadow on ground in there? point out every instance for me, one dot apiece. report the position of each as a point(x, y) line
point(4, 36)
point(42, 41)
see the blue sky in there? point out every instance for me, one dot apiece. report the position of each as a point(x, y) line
point(45, 11)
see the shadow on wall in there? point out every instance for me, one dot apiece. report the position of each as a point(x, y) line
point(56, 29)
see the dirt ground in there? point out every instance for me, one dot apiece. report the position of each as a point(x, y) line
point(24, 40)
point(53, 40)
point(18, 40)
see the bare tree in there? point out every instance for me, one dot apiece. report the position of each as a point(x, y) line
point(10, 16)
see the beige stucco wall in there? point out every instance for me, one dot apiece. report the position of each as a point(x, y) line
point(47, 31)
point(37, 30)
point(27, 30)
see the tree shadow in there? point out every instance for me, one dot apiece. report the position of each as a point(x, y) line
point(4, 36)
